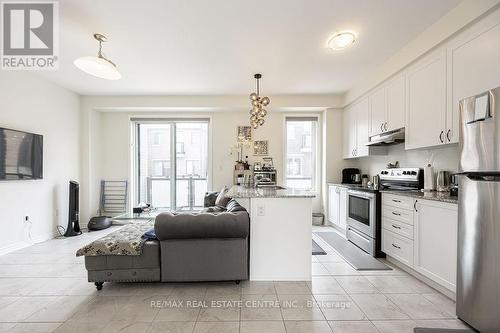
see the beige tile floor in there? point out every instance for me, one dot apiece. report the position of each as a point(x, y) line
point(43, 288)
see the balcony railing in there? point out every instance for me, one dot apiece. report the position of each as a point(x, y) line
point(299, 182)
point(190, 192)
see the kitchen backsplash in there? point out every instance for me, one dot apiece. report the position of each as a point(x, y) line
point(445, 158)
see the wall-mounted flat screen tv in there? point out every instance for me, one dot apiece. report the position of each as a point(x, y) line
point(21, 155)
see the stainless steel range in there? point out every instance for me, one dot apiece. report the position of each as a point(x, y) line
point(364, 207)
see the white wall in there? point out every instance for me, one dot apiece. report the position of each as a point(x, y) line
point(112, 159)
point(103, 129)
point(445, 158)
point(32, 104)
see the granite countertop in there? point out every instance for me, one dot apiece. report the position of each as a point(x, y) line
point(252, 192)
point(435, 196)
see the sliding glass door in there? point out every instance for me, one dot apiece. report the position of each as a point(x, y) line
point(172, 163)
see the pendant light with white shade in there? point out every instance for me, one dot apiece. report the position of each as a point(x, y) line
point(99, 66)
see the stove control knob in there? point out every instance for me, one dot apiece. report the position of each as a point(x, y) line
point(414, 173)
point(404, 172)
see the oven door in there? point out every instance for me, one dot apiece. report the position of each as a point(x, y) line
point(361, 212)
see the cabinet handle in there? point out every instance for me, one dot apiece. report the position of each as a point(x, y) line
point(448, 135)
point(415, 205)
point(397, 214)
point(394, 200)
point(397, 247)
point(385, 127)
point(441, 136)
point(396, 226)
point(382, 127)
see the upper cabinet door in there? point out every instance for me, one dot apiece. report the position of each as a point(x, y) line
point(362, 136)
point(395, 92)
point(426, 101)
point(473, 67)
point(377, 104)
point(349, 132)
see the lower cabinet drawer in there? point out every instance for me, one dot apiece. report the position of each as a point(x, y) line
point(397, 201)
point(398, 214)
point(398, 247)
point(397, 227)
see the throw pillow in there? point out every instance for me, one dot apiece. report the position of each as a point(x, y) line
point(221, 199)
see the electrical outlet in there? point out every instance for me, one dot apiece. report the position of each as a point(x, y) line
point(261, 210)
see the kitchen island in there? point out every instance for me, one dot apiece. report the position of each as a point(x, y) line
point(280, 232)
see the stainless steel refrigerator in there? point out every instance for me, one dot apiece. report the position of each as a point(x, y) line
point(478, 280)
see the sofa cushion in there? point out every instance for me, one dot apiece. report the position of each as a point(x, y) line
point(150, 258)
point(214, 209)
point(209, 199)
point(233, 206)
point(221, 198)
point(204, 225)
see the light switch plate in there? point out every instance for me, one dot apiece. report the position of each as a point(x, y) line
point(261, 211)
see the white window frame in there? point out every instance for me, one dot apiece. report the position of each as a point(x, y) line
point(317, 149)
point(135, 120)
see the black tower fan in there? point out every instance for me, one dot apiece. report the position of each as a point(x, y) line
point(73, 228)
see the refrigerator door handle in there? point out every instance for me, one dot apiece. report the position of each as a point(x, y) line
point(480, 176)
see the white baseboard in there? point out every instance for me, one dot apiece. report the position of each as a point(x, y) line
point(424, 279)
point(22, 244)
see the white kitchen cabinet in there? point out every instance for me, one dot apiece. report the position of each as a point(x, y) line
point(395, 103)
point(337, 200)
point(398, 247)
point(333, 204)
point(378, 111)
point(435, 236)
point(473, 67)
point(343, 208)
point(422, 234)
point(350, 134)
point(356, 129)
point(362, 123)
point(426, 101)
point(387, 106)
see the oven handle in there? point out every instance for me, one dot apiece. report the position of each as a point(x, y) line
point(359, 234)
point(361, 194)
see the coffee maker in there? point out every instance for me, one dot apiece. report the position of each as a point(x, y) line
point(351, 176)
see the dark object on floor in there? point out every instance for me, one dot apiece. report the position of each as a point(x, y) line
point(359, 259)
point(150, 234)
point(73, 228)
point(99, 223)
point(316, 249)
point(442, 330)
point(98, 285)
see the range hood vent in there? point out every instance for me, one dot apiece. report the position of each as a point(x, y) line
point(387, 138)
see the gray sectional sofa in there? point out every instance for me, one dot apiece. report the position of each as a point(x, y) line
point(207, 246)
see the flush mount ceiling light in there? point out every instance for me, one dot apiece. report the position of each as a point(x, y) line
point(341, 40)
point(257, 113)
point(99, 66)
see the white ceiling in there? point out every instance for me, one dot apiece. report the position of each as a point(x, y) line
point(202, 47)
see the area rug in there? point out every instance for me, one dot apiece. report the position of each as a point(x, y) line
point(358, 258)
point(442, 330)
point(317, 250)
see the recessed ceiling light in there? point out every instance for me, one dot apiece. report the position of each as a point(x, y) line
point(341, 40)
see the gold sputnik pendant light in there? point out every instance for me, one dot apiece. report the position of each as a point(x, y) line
point(258, 113)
